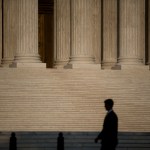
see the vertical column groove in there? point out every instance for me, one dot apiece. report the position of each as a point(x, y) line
point(109, 33)
point(0, 31)
point(96, 36)
point(9, 28)
point(81, 32)
point(149, 31)
point(62, 32)
point(132, 32)
point(27, 40)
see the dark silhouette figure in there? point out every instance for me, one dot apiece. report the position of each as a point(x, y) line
point(13, 142)
point(109, 133)
point(60, 141)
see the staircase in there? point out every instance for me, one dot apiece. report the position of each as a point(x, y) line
point(73, 141)
point(72, 99)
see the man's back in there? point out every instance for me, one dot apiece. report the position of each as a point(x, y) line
point(109, 133)
point(110, 129)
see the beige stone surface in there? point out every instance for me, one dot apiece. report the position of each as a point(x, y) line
point(33, 98)
point(81, 32)
point(27, 35)
point(62, 32)
point(149, 30)
point(109, 34)
point(0, 31)
point(72, 100)
point(9, 31)
point(132, 32)
point(27, 65)
point(96, 24)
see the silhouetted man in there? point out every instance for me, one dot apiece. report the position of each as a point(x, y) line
point(109, 133)
point(13, 142)
point(60, 141)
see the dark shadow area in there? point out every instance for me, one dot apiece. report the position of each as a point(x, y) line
point(46, 31)
point(102, 30)
point(74, 140)
point(13, 142)
point(118, 27)
point(146, 33)
point(109, 133)
point(60, 141)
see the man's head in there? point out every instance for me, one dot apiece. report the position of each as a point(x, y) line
point(108, 104)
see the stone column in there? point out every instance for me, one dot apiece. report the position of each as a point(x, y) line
point(27, 35)
point(62, 30)
point(81, 34)
point(9, 31)
point(96, 39)
point(149, 30)
point(132, 32)
point(0, 31)
point(109, 34)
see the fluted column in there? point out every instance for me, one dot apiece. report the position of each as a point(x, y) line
point(0, 31)
point(81, 33)
point(149, 30)
point(27, 37)
point(9, 31)
point(62, 32)
point(109, 34)
point(132, 32)
point(96, 39)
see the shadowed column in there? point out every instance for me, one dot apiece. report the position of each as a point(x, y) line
point(109, 34)
point(62, 32)
point(96, 39)
point(0, 31)
point(132, 33)
point(149, 30)
point(9, 31)
point(27, 37)
point(82, 54)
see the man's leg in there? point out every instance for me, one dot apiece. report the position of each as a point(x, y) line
point(107, 147)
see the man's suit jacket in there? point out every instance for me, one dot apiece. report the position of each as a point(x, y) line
point(109, 133)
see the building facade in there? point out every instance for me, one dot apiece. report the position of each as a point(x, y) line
point(61, 58)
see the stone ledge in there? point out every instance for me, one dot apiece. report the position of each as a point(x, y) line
point(142, 67)
point(27, 65)
point(83, 66)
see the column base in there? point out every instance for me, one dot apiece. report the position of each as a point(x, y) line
point(60, 64)
point(82, 66)
point(127, 67)
point(6, 62)
point(83, 62)
point(108, 65)
point(6, 65)
point(130, 61)
point(27, 65)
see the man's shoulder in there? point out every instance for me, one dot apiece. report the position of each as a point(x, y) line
point(112, 113)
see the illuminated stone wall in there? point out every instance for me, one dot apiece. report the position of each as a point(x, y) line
point(34, 97)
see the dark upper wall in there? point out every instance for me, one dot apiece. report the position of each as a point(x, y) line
point(46, 6)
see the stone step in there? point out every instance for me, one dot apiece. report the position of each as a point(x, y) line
point(42, 99)
point(73, 140)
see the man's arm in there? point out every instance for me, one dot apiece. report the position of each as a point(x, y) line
point(99, 137)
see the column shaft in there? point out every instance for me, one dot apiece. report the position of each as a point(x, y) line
point(27, 37)
point(62, 32)
point(9, 31)
point(96, 39)
point(132, 32)
point(109, 33)
point(149, 30)
point(81, 33)
point(0, 31)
